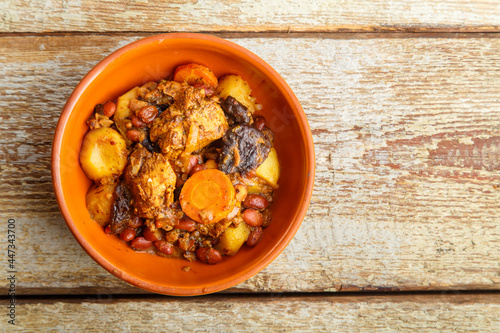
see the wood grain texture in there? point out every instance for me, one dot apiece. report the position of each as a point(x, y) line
point(407, 139)
point(445, 313)
point(42, 16)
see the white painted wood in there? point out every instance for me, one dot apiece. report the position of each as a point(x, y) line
point(276, 313)
point(248, 15)
point(407, 141)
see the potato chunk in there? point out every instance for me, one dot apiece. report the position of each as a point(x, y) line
point(103, 153)
point(269, 170)
point(123, 111)
point(234, 85)
point(100, 203)
point(233, 238)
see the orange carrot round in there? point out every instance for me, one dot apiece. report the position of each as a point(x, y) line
point(208, 196)
point(195, 74)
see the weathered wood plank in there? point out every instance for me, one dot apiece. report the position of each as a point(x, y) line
point(42, 16)
point(407, 144)
point(276, 313)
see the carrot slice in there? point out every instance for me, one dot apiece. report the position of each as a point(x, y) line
point(195, 74)
point(207, 196)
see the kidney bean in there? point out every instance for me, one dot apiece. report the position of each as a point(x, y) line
point(255, 237)
point(164, 246)
point(140, 243)
point(152, 236)
point(253, 217)
point(241, 192)
point(185, 223)
point(259, 123)
point(255, 201)
point(196, 168)
point(127, 234)
point(107, 230)
point(193, 160)
point(108, 109)
point(136, 135)
point(136, 121)
point(208, 255)
point(147, 114)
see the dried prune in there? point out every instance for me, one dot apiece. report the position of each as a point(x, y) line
point(244, 149)
point(122, 214)
point(150, 145)
point(235, 111)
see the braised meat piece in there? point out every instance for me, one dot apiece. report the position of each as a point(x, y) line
point(151, 181)
point(189, 124)
point(160, 94)
point(244, 149)
point(235, 111)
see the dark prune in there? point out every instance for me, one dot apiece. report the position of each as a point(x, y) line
point(244, 149)
point(150, 145)
point(235, 111)
point(122, 214)
point(162, 107)
point(99, 108)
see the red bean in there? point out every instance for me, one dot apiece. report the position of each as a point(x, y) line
point(193, 160)
point(196, 168)
point(255, 201)
point(259, 123)
point(164, 246)
point(185, 223)
point(208, 255)
point(255, 237)
point(148, 113)
point(108, 109)
point(127, 234)
point(136, 121)
point(253, 217)
point(152, 235)
point(135, 135)
point(140, 243)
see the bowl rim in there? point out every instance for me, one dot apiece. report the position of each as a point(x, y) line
point(136, 281)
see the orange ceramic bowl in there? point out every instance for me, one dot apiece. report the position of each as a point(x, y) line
point(152, 59)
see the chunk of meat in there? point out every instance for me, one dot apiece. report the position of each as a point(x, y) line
point(162, 93)
point(189, 124)
point(244, 149)
point(151, 180)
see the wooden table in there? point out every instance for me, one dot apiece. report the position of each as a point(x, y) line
point(403, 230)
